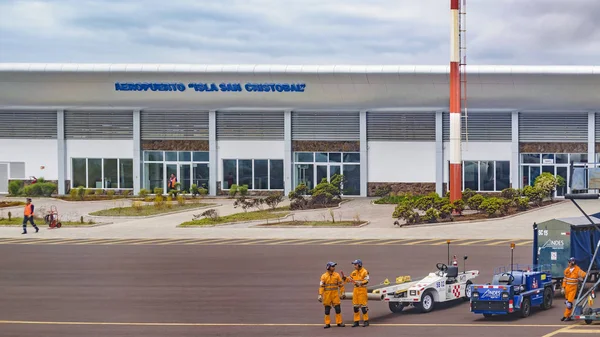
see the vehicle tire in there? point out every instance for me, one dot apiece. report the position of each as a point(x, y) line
point(468, 290)
point(58, 224)
point(526, 307)
point(427, 303)
point(588, 311)
point(396, 307)
point(487, 315)
point(548, 296)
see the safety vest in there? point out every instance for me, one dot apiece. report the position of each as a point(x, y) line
point(572, 277)
point(172, 182)
point(28, 210)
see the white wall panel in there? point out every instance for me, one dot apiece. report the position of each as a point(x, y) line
point(401, 162)
point(34, 153)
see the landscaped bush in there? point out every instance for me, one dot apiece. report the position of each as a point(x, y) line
point(510, 193)
point(468, 194)
point(431, 215)
point(458, 206)
point(233, 190)
point(475, 201)
point(274, 199)
point(243, 190)
point(14, 187)
point(522, 203)
point(325, 194)
point(405, 210)
point(546, 183)
point(493, 206)
point(535, 194)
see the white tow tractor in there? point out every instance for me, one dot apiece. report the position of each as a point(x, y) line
point(446, 284)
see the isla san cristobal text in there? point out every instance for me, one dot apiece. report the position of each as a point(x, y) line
point(211, 87)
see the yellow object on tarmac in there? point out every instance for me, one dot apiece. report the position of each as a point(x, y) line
point(331, 286)
point(360, 279)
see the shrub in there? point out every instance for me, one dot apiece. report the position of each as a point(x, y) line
point(475, 201)
point(468, 194)
point(210, 213)
point(73, 192)
point(243, 190)
point(274, 199)
point(98, 191)
point(137, 205)
point(458, 206)
point(110, 193)
point(446, 211)
point(522, 203)
point(546, 183)
point(14, 187)
point(194, 190)
point(158, 191)
point(297, 200)
point(405, 210)
point(535, 194)
point(510, 193)
point(126, 193)
point(244, 203)
point(143, 193)
point(159, 201)
point(490, 205)
point(202, 191)
point(81, 192)
point(431, 200)
point(383, 191)
point(180, 200)
point(233, 189)
point(169, 202)
point(431, 215)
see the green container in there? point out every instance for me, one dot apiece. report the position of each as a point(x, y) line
point(554, 245)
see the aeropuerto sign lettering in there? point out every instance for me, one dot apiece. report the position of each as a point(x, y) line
point(211, 87)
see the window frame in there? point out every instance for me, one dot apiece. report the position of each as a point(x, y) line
point(237, 173)
point(87, 183)
point(479, 182)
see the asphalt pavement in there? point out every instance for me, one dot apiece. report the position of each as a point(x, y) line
point(233, 290)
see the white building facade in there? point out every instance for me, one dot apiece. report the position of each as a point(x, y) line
point(271, 127)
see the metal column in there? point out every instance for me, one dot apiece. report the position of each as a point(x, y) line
point(137, 152)
point(61, 150)
point(364, 155)
point(514, 158)
point(439, 154)
point(213, 164)
point(591, 137)
point(288, 163)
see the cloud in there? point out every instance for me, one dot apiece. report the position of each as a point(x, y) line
point(296, 31)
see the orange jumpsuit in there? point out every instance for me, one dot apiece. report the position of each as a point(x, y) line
point(569, 283)
point(359, 294)
point(331, 287)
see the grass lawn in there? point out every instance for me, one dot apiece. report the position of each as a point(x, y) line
point(240, 217)
point(314, 223)
point(40, 222)
point(147, 210)
point(11, 203)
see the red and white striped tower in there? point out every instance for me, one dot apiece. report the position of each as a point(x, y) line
point(455, 139)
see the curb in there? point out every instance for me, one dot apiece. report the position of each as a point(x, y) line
point(233, 223)
point(77, 226)
point(151, 216)
point(275, 226)
point(321, 209)
point(481, 220)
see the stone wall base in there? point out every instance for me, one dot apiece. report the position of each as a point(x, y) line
point(414, 188)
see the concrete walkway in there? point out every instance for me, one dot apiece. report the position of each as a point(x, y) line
point(379, 216)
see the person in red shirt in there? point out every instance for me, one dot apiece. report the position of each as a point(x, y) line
point(28, 216)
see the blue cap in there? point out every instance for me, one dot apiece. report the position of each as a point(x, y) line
point(358, 262)
point(330, 264)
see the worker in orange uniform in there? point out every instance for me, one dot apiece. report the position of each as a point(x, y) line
point(569, 286)
point(172, 182)
point(330, 290)
point(360, 279)
point(28, 216)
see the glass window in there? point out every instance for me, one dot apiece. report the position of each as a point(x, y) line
point(534, 172)
point(245, 173)
point(185, 156)
point(530, 158)
point(304, 174)
point(502, 175)
point(78, 175)
point(111, 179)
point(126, 173)
point(170, 156)
point(153, 176)
point(321, 174)
point(525, 175)
point(333, 170)
point(471, 175)
point(153, 156)
point(562, 158)
point(579, 158)
point(486, 174)
point(548, 158)
point(353, 157)
point(321, 157)
point(201, 156)
point(94, 173)
point(229, 173)
point(335, 157)
point(201, 175)
point(304, 157)
point(351, 179)
point(261, 174)
point(276, 174)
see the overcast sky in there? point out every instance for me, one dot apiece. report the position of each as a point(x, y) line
point(563, 32)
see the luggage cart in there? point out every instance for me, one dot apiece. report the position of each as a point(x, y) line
point(51, 218)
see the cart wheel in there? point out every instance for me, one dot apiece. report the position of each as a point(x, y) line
point(487, 315)
point(587, 312)
point(526, 307)
point(396, 307)
point(59, 225)
point(547, 301)
point(468, 290)
point(427, 303)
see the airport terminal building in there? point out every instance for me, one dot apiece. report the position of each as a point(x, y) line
point(130, 126)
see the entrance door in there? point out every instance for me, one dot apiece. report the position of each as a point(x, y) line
point(201, 175)
point(185, 177)
point(562, 171)
point(3, 178)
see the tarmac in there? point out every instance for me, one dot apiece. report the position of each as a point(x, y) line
point(380, 224)
point(235, 290)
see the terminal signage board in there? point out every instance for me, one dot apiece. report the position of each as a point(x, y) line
point(211, 87)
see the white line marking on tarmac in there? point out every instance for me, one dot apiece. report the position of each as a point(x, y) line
point(472, 325)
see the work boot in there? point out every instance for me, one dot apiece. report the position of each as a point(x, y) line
point(37, 229)
point(355, 324)
point(24, 232)
point(562, 319)
point(568, 319)
point(341, 325)
point(327, 326)
point(366, 324)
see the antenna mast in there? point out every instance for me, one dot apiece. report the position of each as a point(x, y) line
point(463, 65)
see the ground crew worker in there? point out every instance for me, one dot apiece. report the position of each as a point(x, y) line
point(360, 279)
point(569, 286)
point(28, 216)
point(330, 290)
point(172, 182)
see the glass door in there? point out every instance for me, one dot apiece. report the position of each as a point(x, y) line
point(201, 175)
point(562, 171)
point(185, 177)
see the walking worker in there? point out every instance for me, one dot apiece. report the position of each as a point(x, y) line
point(28, 216)
point(360, 279)
point(172, 182)
point(330, 290)
point(569, 286)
